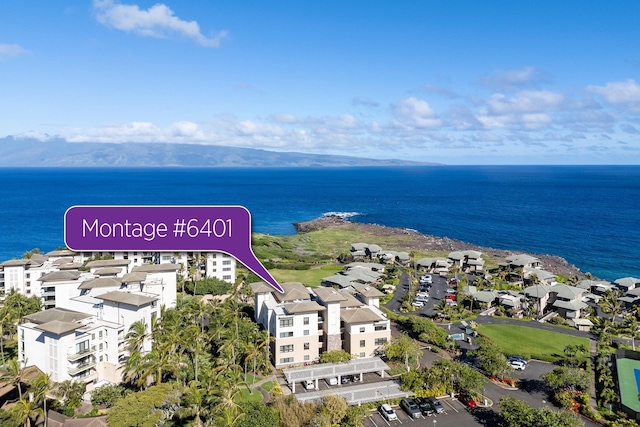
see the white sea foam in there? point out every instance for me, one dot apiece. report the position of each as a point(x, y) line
point(343, 215)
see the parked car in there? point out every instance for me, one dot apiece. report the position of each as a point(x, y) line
point(467, 400)
point(450, 297)
point(388, 413)
point(422, 294)
point(452, 303)
point(309, 385)
point(410, 407)
point(451, 291)
point(453, 281)
point(518, 358)
point(417, 304)
point(345, 379)
point(425, 407)
point(517, 365)
point(422, 299)
point(435, 404)
point(426, 278)
point(332, 381)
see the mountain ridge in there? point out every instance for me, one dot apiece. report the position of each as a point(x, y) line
point(19, 152)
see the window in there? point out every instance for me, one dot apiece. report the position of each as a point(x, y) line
point(214, 255)
point(166, 257)
point(286, 334)
point(154, 304)
point(100, 348)
point(306, 346)
point(226, 269)
point(362, 329)
point(306, 332)
point(93, 336)
point(363, 343)
point(286, 348)
point(100, 334)
point(286, 360)
point(226, 262)
point(226, 277)
point(28, 275)
point(362, 354)
point(380, 341)
point(284, 323)
point(305, 321)
point(306, 357)
point(214, 263)
point(101, 358)
point(380, 327)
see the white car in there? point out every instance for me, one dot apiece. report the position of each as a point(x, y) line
point(452, 303)
point(309, 385)
point(388, 413)
point(426, 278)
point(332, 381)
point(422, 295)
point(417, 304)
point(518, 365)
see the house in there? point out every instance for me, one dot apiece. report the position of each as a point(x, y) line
point(468, 261)
point(514, 262)
point(627, 283)
point(543, 276)
point(434, 265)
point(567, 300)
point(538, 295)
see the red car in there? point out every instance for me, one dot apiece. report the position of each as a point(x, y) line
point(454, 281)
point(467, 400)
point(450, 297)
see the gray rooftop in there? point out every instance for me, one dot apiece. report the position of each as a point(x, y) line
point(303, 307)
point(135, 277)
point(137, 300)
point(359, 315)
point(60, 314)
point(58, 328)
point(329, 370)
point(108, 271)
point(329, 295)
point(60, 276)
point(101, 282)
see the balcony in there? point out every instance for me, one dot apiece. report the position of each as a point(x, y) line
point(81, 368)
point(84, 353)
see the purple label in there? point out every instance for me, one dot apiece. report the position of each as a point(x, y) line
point(164, 229)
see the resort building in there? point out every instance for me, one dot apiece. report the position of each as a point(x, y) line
point(305, 322)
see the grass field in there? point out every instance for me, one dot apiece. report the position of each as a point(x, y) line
point(249, 379)
point(628, 385)
point(247, 395)
point(307, 277)
point(532, 343)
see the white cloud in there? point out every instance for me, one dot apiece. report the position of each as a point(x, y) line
point(627, 92)
point(158, 21)
point(526, 77)
point(417, 113)
point(40, 136)
point(528, 101)
point(12, 50)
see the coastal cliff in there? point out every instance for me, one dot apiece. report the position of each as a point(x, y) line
point(413, 240)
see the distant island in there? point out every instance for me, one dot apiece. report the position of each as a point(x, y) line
point(19, 152)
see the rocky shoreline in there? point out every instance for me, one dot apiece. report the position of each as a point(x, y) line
point(419, 241)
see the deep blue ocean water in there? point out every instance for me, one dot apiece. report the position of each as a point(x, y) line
point(586, 214)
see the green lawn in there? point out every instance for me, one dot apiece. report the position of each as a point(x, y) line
point(311, 277)
point(267, 386)
point(531, 342)
point(247, 395)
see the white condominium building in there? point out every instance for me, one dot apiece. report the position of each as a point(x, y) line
point(305, 322)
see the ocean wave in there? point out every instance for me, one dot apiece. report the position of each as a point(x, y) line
point(342, 215)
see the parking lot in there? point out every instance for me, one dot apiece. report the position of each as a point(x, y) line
point(455, 414)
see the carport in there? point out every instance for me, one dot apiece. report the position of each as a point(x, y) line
point(330, 370)
point(358, 394)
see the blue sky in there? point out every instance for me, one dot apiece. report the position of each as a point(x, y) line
point(457, 82)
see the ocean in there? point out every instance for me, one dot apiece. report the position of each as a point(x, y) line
point(586, 214)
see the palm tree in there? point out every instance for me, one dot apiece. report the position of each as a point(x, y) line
point(26, 409)
point(15, 375)
point(610, 304)
point(630, 325)
point(136, 336)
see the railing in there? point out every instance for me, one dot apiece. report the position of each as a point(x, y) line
point(81, 368)
point(77, 356)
